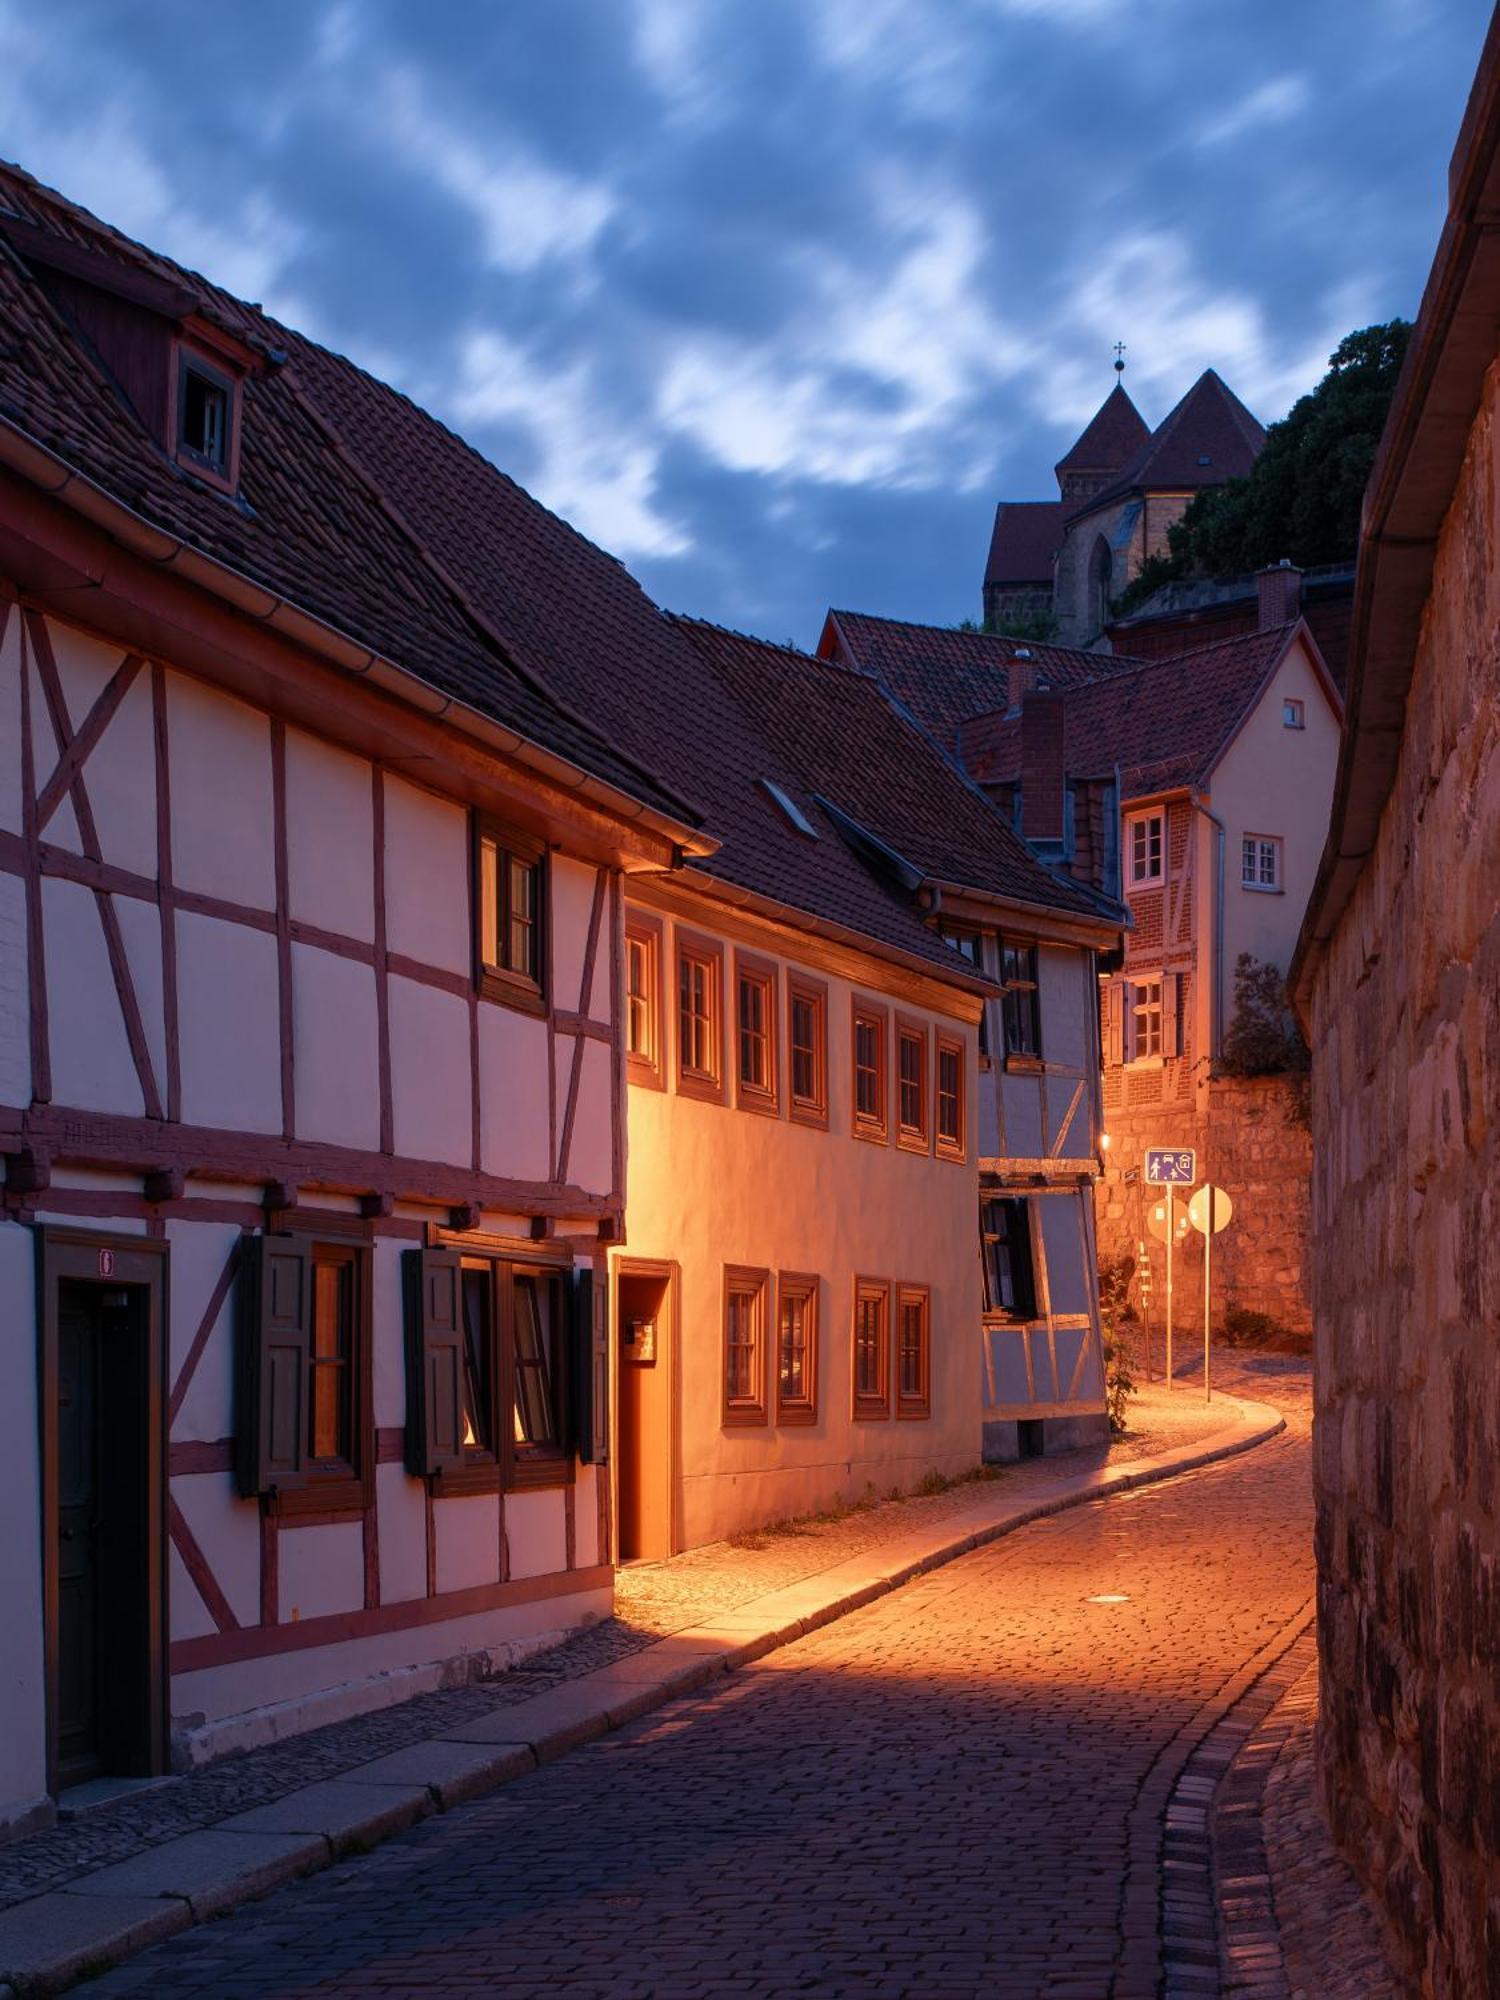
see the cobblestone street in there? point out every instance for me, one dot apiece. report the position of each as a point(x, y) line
point(962, 1789)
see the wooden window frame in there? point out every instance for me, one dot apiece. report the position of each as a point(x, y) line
point(351, 1490)
point(914, 1138)
point(1293, 712)
point(808, 1110)
point(875, 1130)
point(944, 1147)
point(871, 1408)
point(693, 947)
point(499, 982)
point(914, 1407)
point(746, 1412)
point(804, 1285)
point(190, 360)
point(969, 944)
point(1011, 1315)
point(762, 972)
point(1134, 1009)
point(1016, 1002)
point(1252, 882)
point(646, 1068)
point(1132, 821)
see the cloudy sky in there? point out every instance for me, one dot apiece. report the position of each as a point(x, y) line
point(773, 298)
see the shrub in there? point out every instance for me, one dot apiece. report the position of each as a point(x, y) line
point(1263, 1039)
point(1118, 1321)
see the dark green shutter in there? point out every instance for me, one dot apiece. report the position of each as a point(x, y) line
point(590, 1370)
point(275, 1336)
point(434, 1361)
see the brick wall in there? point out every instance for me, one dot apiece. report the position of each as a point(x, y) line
point(1252, 1139)
point(1406, 1286)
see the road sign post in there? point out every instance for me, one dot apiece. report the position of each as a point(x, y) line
point(1170, 1167)
point(1209, 1211)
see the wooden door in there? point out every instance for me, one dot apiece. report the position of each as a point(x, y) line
point(644, 1324)
point(106, 1616)
point(78, 1521)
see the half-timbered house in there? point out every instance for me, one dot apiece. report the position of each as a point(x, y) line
point(311, 1073)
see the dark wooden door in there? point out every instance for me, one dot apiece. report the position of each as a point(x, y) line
point(78, 1523)
point(106, 1613)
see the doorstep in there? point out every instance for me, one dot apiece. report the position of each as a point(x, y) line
point(50, 1941)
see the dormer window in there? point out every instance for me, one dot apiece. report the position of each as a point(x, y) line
point(205, 415)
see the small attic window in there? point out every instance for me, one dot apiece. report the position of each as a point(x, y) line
point(1204, 459)
point(790, 808)
point(205, 416)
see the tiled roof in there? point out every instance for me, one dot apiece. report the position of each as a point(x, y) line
point(850, 744)
point(1209, 438)
point(1111, 438)
point(1164, 723)
point(309, 524)
point(357, 506)
point(1026, 537)
point(944, 675)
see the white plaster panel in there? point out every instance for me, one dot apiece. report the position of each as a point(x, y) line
point(431, 1083)
point(223, 824)
point(15, 995)
point(1063, 985)
point(140, 929)
point(1068, 1340)
point(23, 1775)
point(466, 1534)
point(120, 772)
point(91, 1061)
point(536, 1533)
point(320, 1570)
point(572, 902)
point(1023, 1116)
point(199, 1251)
point(1008, 1364)
point(10, 717)
point(603, 1000)
point(229, 1025)
point(388, 1333)
point(187, 1614)
point(426, 877)
point(330, 837)
point(1068, 1278)
point(586, 1518)
point(403, 1535)
point(514, 1133)
point(1041, 1366)
point(336, 1039)
point(227, 1529)
point(590, 1161)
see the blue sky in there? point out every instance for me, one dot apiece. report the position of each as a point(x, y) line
point(773, 298)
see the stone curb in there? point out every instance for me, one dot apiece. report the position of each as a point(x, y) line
point(51, 1941)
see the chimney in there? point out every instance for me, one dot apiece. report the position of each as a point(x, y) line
point(1043, 738)
point(1020, 677)
point(1279, 590)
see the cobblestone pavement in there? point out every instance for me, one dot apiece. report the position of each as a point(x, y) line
point(651, 1601)
point(959, 1790)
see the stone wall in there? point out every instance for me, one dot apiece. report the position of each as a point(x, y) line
point(1252, 1139)
point(1406, 1283)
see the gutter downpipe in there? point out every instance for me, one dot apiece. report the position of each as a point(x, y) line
point(1216, 1031)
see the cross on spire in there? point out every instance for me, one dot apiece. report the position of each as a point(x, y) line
point(1119, 357)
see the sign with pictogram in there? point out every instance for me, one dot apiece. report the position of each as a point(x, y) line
point(1171, 1166)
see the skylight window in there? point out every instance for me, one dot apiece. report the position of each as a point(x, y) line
point(794, 813)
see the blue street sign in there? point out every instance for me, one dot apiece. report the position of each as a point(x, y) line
point(1168, 1166)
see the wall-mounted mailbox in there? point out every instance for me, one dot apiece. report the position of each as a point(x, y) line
point(640, 1340)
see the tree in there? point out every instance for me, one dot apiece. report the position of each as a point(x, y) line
point(1263, 1039)
point(1302, 500)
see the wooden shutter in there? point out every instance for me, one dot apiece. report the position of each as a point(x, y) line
point(1174, 995)
point(1114, 1023)
point(276, 1304)
point(434, 1361)
point(590, 1358)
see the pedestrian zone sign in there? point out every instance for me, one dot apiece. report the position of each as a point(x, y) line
point(1171, 1166)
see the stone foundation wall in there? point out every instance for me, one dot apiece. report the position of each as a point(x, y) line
point(1252, 1139)
point(1405, 1034)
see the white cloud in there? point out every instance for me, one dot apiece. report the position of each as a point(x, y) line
point(527, 211)
point(1273, 103)
point(869, 378)
point(588, 466)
